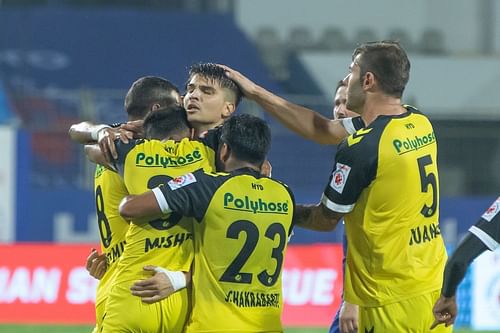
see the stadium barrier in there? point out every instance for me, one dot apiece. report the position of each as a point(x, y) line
point(48, 283)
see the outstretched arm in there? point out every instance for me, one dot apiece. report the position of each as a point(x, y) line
point(303, 121)
point(140, 206)
point(85, 132)
point(105, 135)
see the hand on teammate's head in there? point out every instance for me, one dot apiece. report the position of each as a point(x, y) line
point(132, 130)
point(106, 141)
point(246, 85)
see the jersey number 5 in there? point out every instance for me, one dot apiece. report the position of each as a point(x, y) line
point(233, 272)
point(426, 180)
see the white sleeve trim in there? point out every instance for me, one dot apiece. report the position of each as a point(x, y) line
point(484, 237)
point(162, 202)
point(348, 125)
point(336, 207)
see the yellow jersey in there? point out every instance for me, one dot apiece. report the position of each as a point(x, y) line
point(242, 223)
point(165, 242)
point(386, 182)
point(109, 191)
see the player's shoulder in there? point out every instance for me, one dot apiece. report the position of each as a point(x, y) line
point(210, 176)
point(191, 144)
point(123, 148)
point(285, 186)
point(261, 179)
point(363, 142)
point(368, 138)
point(200, 178)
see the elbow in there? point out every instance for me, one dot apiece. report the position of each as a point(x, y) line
point(126, 208)
point(72, 133)
point(87, 150)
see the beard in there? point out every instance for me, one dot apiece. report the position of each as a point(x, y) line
point(355, 100)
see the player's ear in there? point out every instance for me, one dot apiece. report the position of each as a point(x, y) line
point(230, 104)
point(224, 152)
point(222, 156)
point(155, 107)
point(369, 80)
point(229, 108)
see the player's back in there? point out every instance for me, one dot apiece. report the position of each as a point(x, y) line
point(240, 243)
point(165, 242)
point(395, 247)
point(109, 191)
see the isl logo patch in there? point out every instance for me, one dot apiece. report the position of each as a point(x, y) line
point(491, 212)
point(181, 181)
point(339, 177)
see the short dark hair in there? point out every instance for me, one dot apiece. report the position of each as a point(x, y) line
point(341, 83)
point(388, 61)
point(216, 73)
point(165, 121)
point(248, 137)
point(147, 91)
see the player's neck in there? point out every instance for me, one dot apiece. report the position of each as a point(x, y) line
point(378, 104)
point(234, 164)
point(199, 129)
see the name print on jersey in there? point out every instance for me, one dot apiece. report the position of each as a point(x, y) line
point(166, 242)
point(115, 252)
point(425, 233)
point(255, 206)
point(407, 145)
point(155, 161)
point(245, 299)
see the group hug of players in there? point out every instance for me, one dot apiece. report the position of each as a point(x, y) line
point(194, 230)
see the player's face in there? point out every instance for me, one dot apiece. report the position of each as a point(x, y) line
point(339, 104)
point(205, 103)
point(355, 94)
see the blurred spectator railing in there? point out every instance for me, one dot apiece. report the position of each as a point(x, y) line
point(467, 148)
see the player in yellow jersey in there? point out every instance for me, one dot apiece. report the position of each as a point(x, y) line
point(165, 242)
point(317, 128)
point(210, 98)
point(242, 223)
point(145, 94)
point(385, 185)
